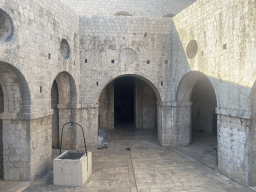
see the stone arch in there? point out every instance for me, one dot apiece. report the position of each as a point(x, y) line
point(16, 91)
point(186, 115)
point(186, 84)
point(122, 13)
point(67, 89)
point(139, 76)
point(64, 110)
point(146, 98)
point(15, 122)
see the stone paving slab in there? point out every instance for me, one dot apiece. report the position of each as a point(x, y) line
point(11, 186)
point(146, 167)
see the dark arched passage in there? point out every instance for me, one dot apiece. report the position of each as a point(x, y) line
point(128, 99)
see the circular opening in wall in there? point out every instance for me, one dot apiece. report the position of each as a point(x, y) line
point(64, 48)
point(127, 55)
point(6, 27)
point(192, 49)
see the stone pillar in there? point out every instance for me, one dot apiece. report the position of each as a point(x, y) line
point(16, 148)
point(106, 107)
point(88, 118)
point(67, 113)
point(40, 145)
point(27, 146)
point(175, 126)
point(233, 134)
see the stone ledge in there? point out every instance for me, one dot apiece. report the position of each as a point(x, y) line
point(25, 116)
point(73, 106)
point(174, 104)
point(90, 105)
point(233, 113)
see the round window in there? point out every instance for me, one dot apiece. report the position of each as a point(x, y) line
point(64, 48)
point(6, 27)
point(192, 49)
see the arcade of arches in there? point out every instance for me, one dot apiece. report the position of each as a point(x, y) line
point(181, 69)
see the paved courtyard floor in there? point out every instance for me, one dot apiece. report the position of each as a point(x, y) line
point(135, 162)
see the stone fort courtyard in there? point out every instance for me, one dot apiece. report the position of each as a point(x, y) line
point(173, 81)
point(148, 167)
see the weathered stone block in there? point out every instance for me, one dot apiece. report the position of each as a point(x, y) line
point(72, 172)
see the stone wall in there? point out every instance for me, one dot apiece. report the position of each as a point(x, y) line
point(35, 49)
point(233, 147)
point(145, 106)
point(217, 39)
point(88, 116)
point(115, 46)
point(106, 107)
point(40, 146)
point(17, 151)
point(30, 58)
point(148, 8)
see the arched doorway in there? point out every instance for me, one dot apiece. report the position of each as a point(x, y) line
point(196, 88)
point(128, 101)
point(55, 116)
point(204, 118)
point(63, 103)
point(15, 125)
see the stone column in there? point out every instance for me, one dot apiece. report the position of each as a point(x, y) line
point(27, 145)
point(233, 134)
point(106, 107)
point(88, 118)
point(67, 113)
point(175, 126)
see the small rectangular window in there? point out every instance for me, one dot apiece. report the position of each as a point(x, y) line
point(198, 113)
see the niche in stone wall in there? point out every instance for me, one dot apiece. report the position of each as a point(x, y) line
point(192, 49)
point(6, 27)
point(127, 56)
point(64, 49)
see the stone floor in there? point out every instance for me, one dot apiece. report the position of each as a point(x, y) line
point(135, 161)
point(203, 148)
point(11, 186)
